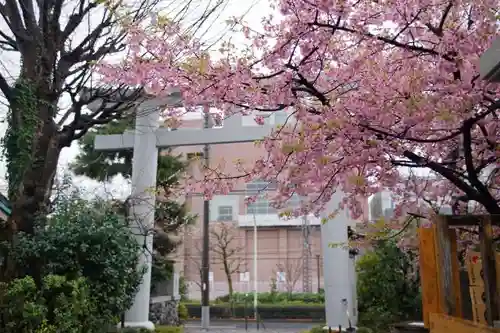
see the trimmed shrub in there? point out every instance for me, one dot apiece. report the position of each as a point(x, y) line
point(183, 312)
point(275, 297)
point(266, 311)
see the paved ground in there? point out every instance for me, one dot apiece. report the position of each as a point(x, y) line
point(268, 326)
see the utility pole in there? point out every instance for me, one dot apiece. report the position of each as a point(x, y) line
point(255, 275)
point(306, 257)
point(205, 297)
point(318, 273)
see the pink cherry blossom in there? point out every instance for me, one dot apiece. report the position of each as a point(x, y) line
point(378, 91)
point(259, 120)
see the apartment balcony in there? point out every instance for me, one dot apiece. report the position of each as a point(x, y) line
point(273, 220)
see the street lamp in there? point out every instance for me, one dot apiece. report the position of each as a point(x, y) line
point(489, 63)
point(255, 295)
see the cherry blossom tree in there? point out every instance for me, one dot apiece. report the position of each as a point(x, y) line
point(374, 92)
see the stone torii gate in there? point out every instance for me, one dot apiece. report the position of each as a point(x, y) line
point(145, 140)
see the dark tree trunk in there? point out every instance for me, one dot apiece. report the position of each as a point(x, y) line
point(30, 205)
point(229, 278)
point(33, 153)
point(230, 284)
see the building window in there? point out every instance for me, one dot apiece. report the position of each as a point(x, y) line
point(245, 277)
point(224, 208)
point(261, 206)
point(293, 202)
point(225, 213)
point(281, 117)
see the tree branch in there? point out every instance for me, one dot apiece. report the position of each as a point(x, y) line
point(6, 88)
point(8, 44)
point(443, 171)
point(489, 200)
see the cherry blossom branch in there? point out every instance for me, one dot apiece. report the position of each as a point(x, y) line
point(403, 136)
point(390, 41)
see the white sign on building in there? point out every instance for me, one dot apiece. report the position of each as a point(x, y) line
point(245, 277)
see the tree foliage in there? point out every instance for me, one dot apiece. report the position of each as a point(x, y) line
point(103, 165)
point(388, 287)
point(372, 92)
point(170, 215)
point(58, 305)
point(80, 271)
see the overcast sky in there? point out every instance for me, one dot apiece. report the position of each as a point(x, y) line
point(9, 64)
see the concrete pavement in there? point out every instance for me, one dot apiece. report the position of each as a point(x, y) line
point(266, 326)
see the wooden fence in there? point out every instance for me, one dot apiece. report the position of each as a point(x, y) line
point(440, 276)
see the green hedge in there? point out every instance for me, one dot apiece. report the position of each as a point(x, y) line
point(315, 312)
point(275, 297)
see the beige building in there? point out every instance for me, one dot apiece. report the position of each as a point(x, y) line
point(284, 251)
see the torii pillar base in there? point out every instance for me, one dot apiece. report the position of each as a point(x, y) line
point(144, 325)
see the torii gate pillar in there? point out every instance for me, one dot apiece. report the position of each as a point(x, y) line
point(338, 267)
point(143, 197)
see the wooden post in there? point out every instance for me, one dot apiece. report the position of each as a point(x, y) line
point(428, 274)
point(489, 270)
point(439, 271)
point(445, 258)
point(455, 270)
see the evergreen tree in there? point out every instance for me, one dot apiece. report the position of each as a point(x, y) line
point(170, 216)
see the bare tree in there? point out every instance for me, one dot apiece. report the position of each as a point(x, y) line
point(226, 250)
point(57, 43)
point(293, 272)
point(196, 261)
